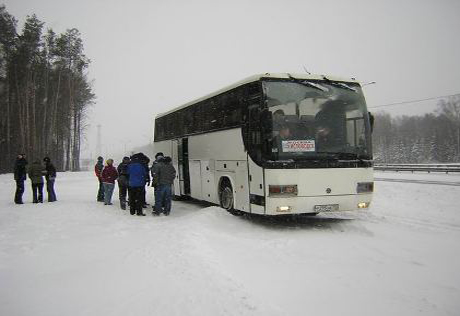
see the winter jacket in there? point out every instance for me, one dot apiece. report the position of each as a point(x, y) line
point(137, 173)
point(123, 172)
point(98, 167)
point(20, 172)
point(154, 170)
point(109, 174)
point(36, 172)
point(50, 171)
point(164, 172)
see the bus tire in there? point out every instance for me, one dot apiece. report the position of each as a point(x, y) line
point(226, 198)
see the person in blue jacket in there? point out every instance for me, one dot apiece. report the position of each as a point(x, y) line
point(137, 175)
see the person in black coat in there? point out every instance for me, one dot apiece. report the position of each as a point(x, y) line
point(123, 181)
point(98, 167)
point(50, 177)
point(20, 175)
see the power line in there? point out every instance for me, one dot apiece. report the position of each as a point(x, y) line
point(414, 101)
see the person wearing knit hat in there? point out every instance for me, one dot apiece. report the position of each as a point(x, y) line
point(108, 176)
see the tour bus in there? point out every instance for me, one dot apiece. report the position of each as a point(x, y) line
point(273, 144)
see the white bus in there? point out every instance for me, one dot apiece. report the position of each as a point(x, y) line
point(273, 144)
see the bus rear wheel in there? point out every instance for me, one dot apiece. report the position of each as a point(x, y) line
point(226, 198)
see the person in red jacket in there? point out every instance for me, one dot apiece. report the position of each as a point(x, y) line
point(98, 172)
point(109, 175)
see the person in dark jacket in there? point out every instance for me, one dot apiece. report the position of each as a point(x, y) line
point(108, 176)
point(123, 181)
point(36, 172)
point(158, 157)
point(20, 175)
point(98, 172)
point(137, 176)
point(50, 177)
point(164, 176)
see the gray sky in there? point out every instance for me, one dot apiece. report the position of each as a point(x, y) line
point(150, 56)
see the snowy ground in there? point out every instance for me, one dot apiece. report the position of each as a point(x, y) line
point(79, 257)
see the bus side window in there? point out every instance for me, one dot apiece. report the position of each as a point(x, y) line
point(231, 110)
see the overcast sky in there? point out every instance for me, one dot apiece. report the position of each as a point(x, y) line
point(151, 56)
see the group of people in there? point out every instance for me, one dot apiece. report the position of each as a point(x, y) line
point(133, 174)
point(36, 172)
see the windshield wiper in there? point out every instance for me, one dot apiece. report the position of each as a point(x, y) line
point(355, 156)
point(313, 85)
point(309, 84)
point(339, 84)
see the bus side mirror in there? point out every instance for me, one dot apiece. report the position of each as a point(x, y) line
point(371, 121)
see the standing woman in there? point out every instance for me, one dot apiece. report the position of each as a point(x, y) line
point(109, 175)
point(36, 172)
point(50, 178)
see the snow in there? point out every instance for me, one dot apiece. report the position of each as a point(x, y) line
point(79, 257)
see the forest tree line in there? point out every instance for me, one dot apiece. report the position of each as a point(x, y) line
point(431, 138)
point(44, 93)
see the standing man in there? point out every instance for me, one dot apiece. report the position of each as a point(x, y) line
point(50, 177)
point(20, 175)
point(98, 171)
point(137, 176)
point(154, 169)
point(123, 181)
point(36, 172)
point(164, 176)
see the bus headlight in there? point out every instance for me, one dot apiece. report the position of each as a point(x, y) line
point(363, 204)
point(282, 190)
point(283, 208)
point(365, 187)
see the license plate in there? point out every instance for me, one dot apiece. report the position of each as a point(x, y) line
point(326, 208)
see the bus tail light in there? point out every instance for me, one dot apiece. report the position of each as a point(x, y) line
point(284, 190)
point(365, 187)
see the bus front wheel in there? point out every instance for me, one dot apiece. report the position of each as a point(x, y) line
point(226, 198)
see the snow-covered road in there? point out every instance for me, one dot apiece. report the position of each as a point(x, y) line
point(79, 257)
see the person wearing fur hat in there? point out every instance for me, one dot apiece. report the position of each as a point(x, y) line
point(50, 177)
point(137, 176)
point(108, 176)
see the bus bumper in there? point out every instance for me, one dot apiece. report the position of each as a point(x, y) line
point(316, 204)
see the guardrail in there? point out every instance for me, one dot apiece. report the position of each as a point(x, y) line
point(444, 168)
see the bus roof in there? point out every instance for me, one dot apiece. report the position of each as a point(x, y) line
point(256, 78)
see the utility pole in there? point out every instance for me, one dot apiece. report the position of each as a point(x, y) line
point(98, 144)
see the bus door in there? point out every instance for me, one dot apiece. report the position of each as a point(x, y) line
point(256, 173)
point(183, 166)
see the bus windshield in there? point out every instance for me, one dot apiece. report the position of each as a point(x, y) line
point(315, 119)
